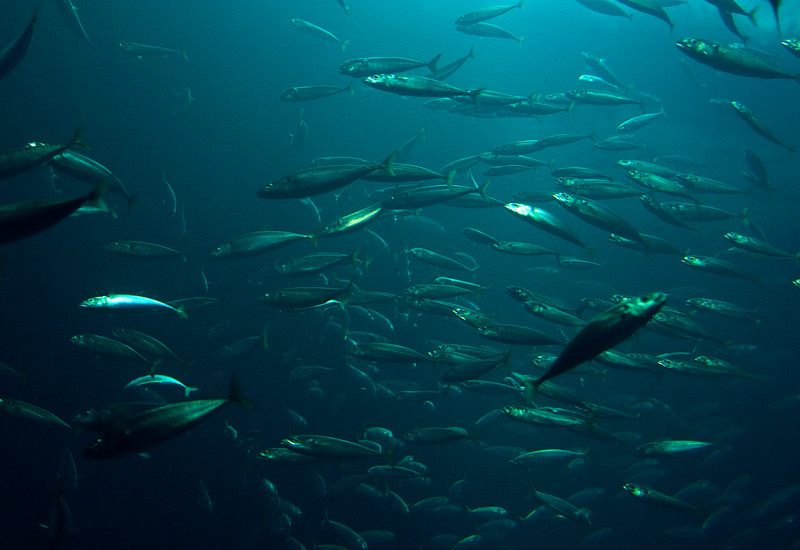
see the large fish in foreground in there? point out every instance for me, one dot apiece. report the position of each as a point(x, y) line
point(23, 219)
point(157, 425)
point(605, 331)
point(731, 60)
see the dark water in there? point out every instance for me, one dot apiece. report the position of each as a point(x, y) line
point(234, 137)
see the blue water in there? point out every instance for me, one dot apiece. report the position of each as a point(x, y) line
point(218, 150)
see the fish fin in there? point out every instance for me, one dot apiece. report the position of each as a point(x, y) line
point(183, 54)
point(236, 396)
point(432, 64)
point(187, 390)
point(77, 140)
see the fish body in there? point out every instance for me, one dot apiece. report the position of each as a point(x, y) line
point(545, 221)
point(309, 93)
point(655, 245)
point(472, 369)
point(160, 379)
point(648, 167)
point(439, 260)
point(351, 222)
point(652, 496)
point(604, 331)
point(318, 180)
point(639, 122)
point(141, 249)
point(484, 14)
point(314, 263)
point(414, 85)
point(546, 456)
point(490, 31)
point(16, 161)
point(658, 183)
point(69, 14)
point(757, 246)
point(317, 32)
point(670, 447)
point(596, 189)
point(604, 7)
point(450, 68)
point(367, 66)
point(28, 411)
point(693, 212)
point(257, 242)
point(102, 345)
point(521, 248)
point(15, 51)
point(159, 424)
point(552, 314)
point(649, 7)
point(128, 302)
point(717, 267)
point(83, 168)
point(517, 335)
point(20, 220)
point(579, 172)
point(731, 60)
point(600, 97)
point(731, 6)
point(146, 345)
point(386, 353)
point(301, 297)
point(663, 213)
point(724, 309)
point(746, 114)
point(700, 184)
point(103, 418)
point(328, 448)
point(600, 216)
point(146, 50)
point(435, 435)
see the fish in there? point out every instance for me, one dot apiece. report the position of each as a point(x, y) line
point(724, 309)
point(671, 447)
point(731, 60)
point(700, 184)
point(757, 246)
point(313, 264)
point(601, 97)
point(154, 426)
point(382, 352)
point(553, 314)
point(435, 435)
point(20, 220)
point(419, 86)
point(159, 379)
point(107, 347)
point(317, 32)
point(600, 67)
point(16, 161)
point(717, 267)
point(100, 419)
point(69, 15)
point(302, 297)
point(639, 122)
point(652, 496)
point(350, 222)
point(793, 45)
point(28, 411)
point(141, 249)
point(649, 7)
point(746, 114)
point(600, 216)
point(521, 248)
point(83, 168)
point(257, 242)
point(604, 331)
point(146, 50)
point(731, 6)
point(310, 93)
point(15, 51)
point(546, 456)
point(489, 30)
point(605, 7)
point(596, 189)
point(147, 345)
point(130, 302)
point(319, 180)
point(325, 447)
point(564, 507)
point(516, 335)
point(438, 260)
point(545, 221)
point(484, 14)
point(367, 66)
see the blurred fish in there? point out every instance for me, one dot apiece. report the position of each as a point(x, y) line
point(157, 425)
point(16, 161)
point(27, 411)
point(146, 50)
point(310, 93)
point(317, 32)
point(450, 68)
point(69, 15)
point(654, 497)
point(141, 249)
point(15, 51)
point(731, 6)
point(485, 14)
point(489, 30)
point(604, 7)
point(650, 7)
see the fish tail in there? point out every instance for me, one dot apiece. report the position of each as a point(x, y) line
point(471, 51)
point(350, 88)
point(482, 190)
point(187, 390)
point(751, 15)
point(519, 41)
point(77, 140)
point(130, 199)
point(344, 44)
point(521, 4)
point(181, 312)
point(388, 162)
point(183, 54)
point(432, 64)
point(235, 394)
point(449, 178)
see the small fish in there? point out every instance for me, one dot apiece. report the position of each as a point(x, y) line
point(489, 30)
point(310, 93)
point(69, 14)
point(367, 66)
point(670, 447)
point(128, 302)
point(328, 448)
point(485, 14)
point(145, 50)
point(159, 379)
point(317, 32)
point(141, 249)
point(731, 60)
point(27, 411)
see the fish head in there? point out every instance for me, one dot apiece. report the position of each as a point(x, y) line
point(350, 66)
point(735, 237)
point(127, 46)
point(97, 301)
point(564, 198)
point(378, 79)
point(519, 208)
point(290, 94)
point(633, 489)
point(697, 47)
point(693, 261)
